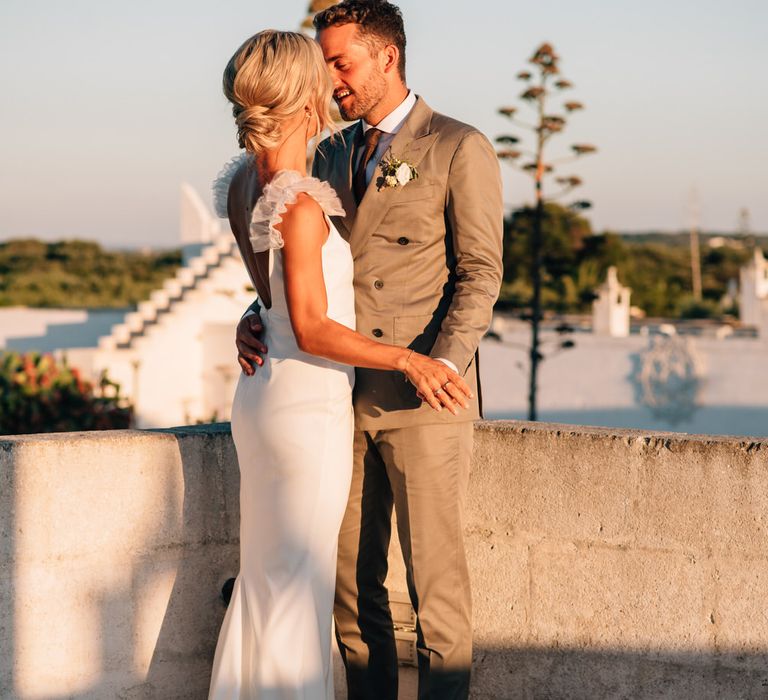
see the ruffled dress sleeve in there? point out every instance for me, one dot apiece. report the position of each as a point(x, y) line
point(280, 192)
point(222, 182)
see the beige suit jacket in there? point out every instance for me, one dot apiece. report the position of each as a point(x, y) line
point(427, 257)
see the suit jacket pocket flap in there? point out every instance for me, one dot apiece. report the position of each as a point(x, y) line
point(413, 192)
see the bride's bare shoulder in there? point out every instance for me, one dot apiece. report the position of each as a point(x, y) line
point(303, 218)
point(304, 210)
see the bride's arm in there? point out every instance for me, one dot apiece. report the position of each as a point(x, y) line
point(304, 232)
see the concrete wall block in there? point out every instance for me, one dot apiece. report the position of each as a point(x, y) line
point(7, 632)
point(500, 577)
point(703, 496)
point(182, 655)
point(92, 640)
point(497, 672)
point(552, 485)
point(128, 499)
point(740, 612)
point(150, 626)
point(7, 505)
point(578, 674)
point(607, 598)
point(212, 486)
point(740, 501)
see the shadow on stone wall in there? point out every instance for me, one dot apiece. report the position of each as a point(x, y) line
point(572, 674)
point(546, 674)
point(7, 568)
point(210, 556)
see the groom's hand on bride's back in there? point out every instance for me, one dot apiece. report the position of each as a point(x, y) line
point(248, 341)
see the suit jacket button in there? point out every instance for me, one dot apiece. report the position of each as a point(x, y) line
point(403, 240)
point(377, 332)
point(378, 284)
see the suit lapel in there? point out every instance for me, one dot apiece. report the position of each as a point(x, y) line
point(411, 143)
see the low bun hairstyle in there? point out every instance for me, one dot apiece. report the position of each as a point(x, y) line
point(272, 77)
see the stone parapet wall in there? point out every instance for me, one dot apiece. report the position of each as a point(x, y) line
point(113, 552)
point(605, 564)
point(618, 564)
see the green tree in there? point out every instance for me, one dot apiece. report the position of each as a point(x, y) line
point(563, 234)
point(79, 273)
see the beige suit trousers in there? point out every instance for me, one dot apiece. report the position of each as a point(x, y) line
point(423, 471)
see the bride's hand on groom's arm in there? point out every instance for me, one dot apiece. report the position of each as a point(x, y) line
point(437, 384)
point(248, 343)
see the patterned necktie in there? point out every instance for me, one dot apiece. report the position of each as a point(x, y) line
point(359, 184)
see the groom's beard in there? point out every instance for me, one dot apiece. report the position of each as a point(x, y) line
point(361, 102)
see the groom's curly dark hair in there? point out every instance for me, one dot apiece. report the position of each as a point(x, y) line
point(380, 23)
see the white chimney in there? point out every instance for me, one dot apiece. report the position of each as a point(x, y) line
point(610, 311)
point(754, 290)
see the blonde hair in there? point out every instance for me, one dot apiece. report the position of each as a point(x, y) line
point(271, 78)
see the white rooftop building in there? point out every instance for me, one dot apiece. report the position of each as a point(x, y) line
point(174, 356)
point(753, 298)
point(610, 311)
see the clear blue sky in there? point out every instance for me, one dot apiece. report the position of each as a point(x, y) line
point(107, 107)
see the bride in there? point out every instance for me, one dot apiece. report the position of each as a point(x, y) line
point(292, 420)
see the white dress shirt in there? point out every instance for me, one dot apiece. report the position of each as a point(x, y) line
point(389, 126)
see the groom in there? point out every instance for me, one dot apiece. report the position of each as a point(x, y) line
point(427, 272)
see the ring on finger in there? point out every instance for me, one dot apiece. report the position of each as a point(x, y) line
point(437, 392)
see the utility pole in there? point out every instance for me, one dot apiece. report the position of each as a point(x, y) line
point(745, 226)
point(695, 248)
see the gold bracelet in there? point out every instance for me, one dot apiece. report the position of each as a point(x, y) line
point(405, 366)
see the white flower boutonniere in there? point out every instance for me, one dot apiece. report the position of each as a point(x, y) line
point(396, 172)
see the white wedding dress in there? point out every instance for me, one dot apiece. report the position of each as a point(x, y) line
point(292, 425)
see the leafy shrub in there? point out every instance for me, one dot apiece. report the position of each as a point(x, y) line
point(657, 267)
point(39, 395)
point(692, 308)
point(79, 273)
